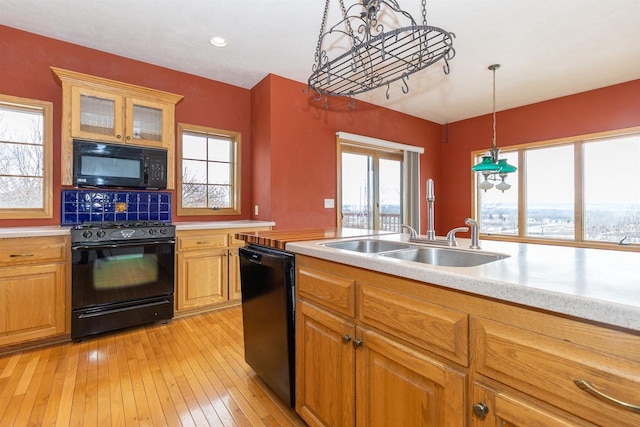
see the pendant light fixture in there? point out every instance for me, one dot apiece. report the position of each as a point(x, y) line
point(491, 167)
point(373, 44)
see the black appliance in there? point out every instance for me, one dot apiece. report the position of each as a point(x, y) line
point(122, 275)
point(268, 308)
point(99, 164)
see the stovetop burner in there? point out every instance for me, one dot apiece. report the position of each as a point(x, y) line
point(97, 232)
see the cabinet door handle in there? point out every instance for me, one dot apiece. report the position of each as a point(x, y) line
point(20, 255)
point(357, 343)
point(480, 410)
point(346, 338)
point(589, 388)
point(128, 138)
point(118, 136)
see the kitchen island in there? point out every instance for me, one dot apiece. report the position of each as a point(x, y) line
point(547, 335)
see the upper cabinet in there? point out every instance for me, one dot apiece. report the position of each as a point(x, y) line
point(105, 110)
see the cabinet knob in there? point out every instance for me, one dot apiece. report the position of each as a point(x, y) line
point(357, 343)
point(118, 136)
point(480, 410)
point(128, 138)
point(346, 338)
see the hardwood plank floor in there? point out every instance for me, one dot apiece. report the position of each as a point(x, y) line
point(190, 372)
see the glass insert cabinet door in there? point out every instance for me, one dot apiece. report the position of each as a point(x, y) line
point(97, 115)
point(111, 117)
point(145, 121)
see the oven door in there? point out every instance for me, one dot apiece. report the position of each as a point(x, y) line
point(121, 272)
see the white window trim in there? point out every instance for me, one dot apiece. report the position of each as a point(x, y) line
point(379, 143)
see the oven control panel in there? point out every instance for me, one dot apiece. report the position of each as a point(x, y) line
point(109, 232)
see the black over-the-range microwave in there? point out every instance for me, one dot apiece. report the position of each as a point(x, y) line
point(104, 165)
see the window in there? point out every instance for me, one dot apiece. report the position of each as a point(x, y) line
point(26, 158)
point(208, 160)
point(375, 185)
point(371, 189)
point(582, 191)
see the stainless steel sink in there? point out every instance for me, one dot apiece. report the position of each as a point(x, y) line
point(367, 246)
point(445, 256)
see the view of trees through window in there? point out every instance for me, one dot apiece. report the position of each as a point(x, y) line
point(21, 158)
point(608, 205)
point(208, 170)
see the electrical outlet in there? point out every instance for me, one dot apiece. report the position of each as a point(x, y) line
point(255, 210)
point(329, 203)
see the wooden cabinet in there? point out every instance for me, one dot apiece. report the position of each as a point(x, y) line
point(497, 407)
point(325, 363)
point(552, 371)
point(348, 373)
point(207, 268)
point(105, 110)
point(427, 355)
point(33, 288)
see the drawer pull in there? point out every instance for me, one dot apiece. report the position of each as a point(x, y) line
point(588, 387)
point(20, 255)
point(203, 242)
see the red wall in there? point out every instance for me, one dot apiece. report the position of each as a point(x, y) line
point(301, 160)
point(613, 107)
point(25, 72)
point(288, 141)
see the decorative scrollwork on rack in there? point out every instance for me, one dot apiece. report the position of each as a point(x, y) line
point(376, 56)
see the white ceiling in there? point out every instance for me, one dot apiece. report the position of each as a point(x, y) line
point(547, 48)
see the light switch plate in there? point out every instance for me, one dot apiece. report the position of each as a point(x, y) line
point(329, 203)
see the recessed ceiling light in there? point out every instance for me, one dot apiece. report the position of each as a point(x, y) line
point(218, 41)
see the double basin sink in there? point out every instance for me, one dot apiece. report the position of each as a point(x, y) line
point(433, 255)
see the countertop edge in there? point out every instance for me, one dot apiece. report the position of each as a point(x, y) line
point(38, 231)
point(214, 225)
point(62, 230)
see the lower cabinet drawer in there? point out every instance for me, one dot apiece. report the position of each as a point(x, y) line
point(32, 250)
point(556, 372)
point(201, 241)
point(329, 290)
point(441, 330)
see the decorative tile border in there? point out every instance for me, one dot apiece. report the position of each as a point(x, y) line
point(80, 206)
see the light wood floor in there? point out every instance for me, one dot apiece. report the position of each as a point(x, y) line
point(189, 372)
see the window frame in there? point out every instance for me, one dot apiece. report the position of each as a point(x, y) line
point(577, 143)
point(376, 153)
point(46, 108)
point(236, 188)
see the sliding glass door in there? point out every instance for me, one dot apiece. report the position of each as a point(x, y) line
point(371, 189)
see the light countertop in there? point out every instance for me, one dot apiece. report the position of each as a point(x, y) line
point(592, 284)
point(213, 225)
point(55, 230)
point(39, 231)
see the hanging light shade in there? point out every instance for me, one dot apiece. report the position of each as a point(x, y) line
point(374, 44)
point(487, 165)
point(492, 167)
point(505, 168)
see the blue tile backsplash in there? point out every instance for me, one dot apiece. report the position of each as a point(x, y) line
point(80, 206)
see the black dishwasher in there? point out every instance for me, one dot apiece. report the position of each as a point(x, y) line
point(267, 278)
